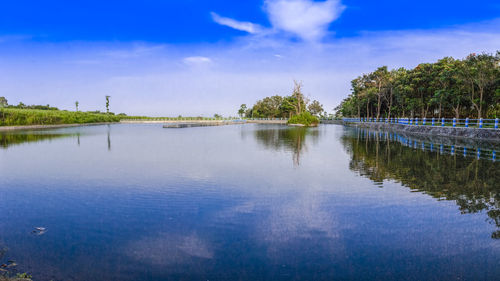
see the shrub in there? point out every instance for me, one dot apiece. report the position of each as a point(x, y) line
point(305, 118)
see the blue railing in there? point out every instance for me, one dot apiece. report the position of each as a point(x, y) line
point(442, 122)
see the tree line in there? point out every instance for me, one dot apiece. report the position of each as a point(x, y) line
point(448, 88)
point(282, 106)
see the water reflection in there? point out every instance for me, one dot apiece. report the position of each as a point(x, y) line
point(470, 178)
point(109, 138)
point(167, 249)
point(8, 139)
point(291, 139)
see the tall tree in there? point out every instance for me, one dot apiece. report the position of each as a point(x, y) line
point(300, 101)
point(392, 85)
point(242, 110)
point(3, 102)
point(482, 72)
point(380, 79)
point(76, 105)
point(287, 106)
point(315, 108)
point(107, 103)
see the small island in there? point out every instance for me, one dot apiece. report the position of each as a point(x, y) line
point(296, 108)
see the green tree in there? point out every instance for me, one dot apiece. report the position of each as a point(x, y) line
point(380, 78)
point(242, 110)
point(286, 107)
point(268, 107)
point(3, 102)
point(76, 105)
point(315, 108)
point(482, 71)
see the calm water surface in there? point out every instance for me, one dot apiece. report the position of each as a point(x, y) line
point(248, 202)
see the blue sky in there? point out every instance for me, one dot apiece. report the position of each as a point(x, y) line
point(203, 57)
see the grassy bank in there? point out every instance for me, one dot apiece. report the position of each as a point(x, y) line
point(24, 117)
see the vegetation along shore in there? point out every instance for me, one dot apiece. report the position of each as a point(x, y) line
point(28, 115)
point(448, 88)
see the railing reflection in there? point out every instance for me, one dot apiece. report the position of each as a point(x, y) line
point(463, 171)
point(471, 150)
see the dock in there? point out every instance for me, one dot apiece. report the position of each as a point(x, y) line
point(201, 124)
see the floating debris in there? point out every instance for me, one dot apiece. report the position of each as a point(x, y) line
point(39, 230)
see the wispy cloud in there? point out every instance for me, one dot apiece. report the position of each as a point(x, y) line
point(197, 60)
point(84, 62)
point(138, 50)
point(238, 25)
point(306, 19)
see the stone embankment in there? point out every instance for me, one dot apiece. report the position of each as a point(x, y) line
point(457, 132)
point(333, 121)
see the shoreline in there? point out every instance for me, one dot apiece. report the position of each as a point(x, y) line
point(436, 131)
point(60, 126)
point(47, 127)
point(200, 121)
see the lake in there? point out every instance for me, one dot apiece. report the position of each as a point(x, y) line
point(248, 202)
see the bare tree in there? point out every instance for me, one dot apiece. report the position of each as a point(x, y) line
point(300, 103)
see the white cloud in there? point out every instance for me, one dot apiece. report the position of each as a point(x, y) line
point(138, 50)
point(84, 61)
point(198, 60)
point(305, 18)
point(238, 25)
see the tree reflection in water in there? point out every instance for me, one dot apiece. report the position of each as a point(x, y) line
point(291, 139)
point(472, 182)
point(8, 139)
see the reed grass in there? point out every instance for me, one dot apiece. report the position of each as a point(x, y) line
point(21, 117)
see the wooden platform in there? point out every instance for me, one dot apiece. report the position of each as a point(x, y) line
point(200, 124)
